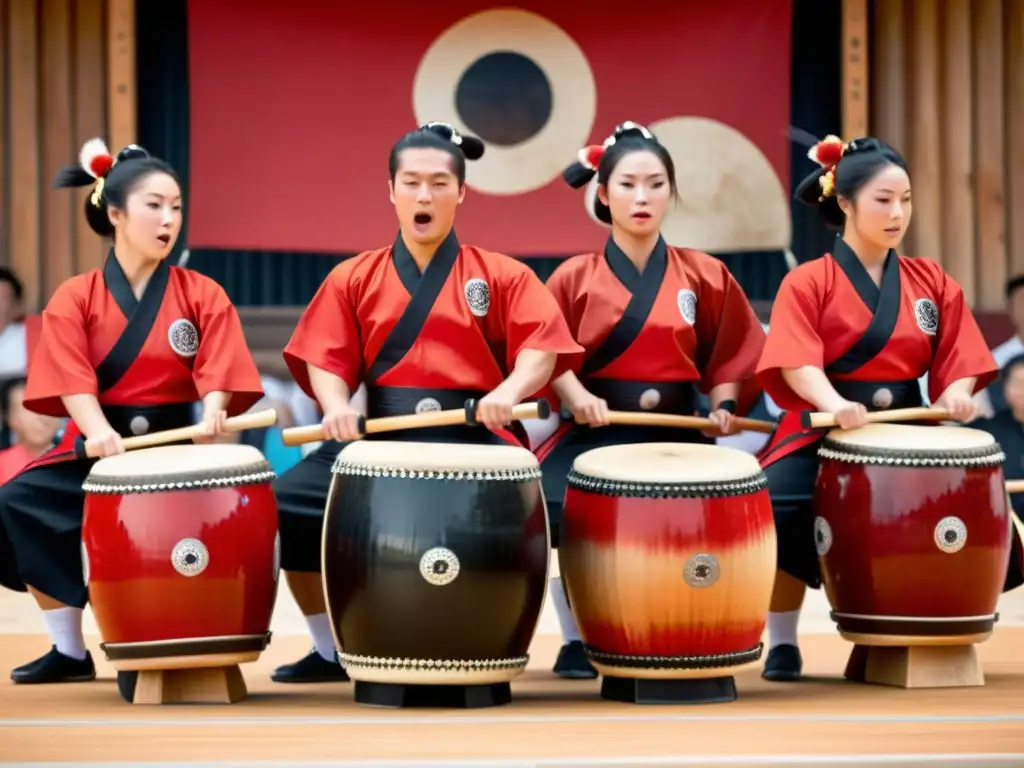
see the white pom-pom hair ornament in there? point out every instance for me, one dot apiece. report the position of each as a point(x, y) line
point(95, 158)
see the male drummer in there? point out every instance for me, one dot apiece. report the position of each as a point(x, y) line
point(426, 323)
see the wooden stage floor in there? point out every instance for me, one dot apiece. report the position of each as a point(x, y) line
point(550, 723)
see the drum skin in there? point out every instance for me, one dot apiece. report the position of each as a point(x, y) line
point(669, 580)
point(182, 572)
point(435, 577)
point(912, 551)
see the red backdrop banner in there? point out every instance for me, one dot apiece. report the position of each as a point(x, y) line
point(295, 107)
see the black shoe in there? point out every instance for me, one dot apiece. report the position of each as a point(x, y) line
point(55, 667)
point(783, 665)
point(572, 662)
point(312, 668)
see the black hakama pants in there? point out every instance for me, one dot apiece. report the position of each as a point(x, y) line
point(41, 531)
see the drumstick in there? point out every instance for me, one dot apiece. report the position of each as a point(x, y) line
point(810, 420)
point(267, 418)
point(1015, 486)
point(450, 418)
point(635, 418)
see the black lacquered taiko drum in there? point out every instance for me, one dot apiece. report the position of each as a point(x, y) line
point(435, 560)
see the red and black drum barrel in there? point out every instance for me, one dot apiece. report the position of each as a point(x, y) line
point(435, 559)
point(913, 531)
point(181, 556)
point(668, 554)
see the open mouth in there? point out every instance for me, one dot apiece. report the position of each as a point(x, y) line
point(165, 239)
point(423, 218)
point(892, 230)
point(641, 215)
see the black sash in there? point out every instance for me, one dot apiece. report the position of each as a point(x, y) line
point(644, 289)
point(423, 291)
point(883, 302)
point(141, 315)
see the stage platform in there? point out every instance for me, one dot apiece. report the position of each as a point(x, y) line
point(550, 722)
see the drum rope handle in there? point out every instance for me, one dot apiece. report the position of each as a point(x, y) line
point(454, 417)
point(639, 419)
point(267, 418)
point(812, 420)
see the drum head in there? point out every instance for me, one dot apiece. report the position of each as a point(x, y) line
point(913, 445)
point(435, 457)
point(177, 459)
point(667, 463)
point(912, 437)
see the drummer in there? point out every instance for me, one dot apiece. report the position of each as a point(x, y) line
point(426, 323)
point(852, 332)
point(658, 324)
point(124, 350)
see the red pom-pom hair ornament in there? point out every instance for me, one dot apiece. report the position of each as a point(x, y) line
point(95, 158)
point(828, 152)
point(590, 157)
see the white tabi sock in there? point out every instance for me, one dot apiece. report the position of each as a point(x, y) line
point(566, 620)
point(323, 638)
point(782, 628)
point(65, 628)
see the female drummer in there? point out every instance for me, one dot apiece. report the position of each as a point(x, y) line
point(657, 323)
point(126, 349)
point(852, 332)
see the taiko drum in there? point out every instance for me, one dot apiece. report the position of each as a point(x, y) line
point(181, 555)
point(913, 532)
point(668, 554)
point(435, 559)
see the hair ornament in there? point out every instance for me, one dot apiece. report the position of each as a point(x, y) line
point(579, 173)
point(96, 161)
point(827, 153)
point(590, 157)
point(472, 147)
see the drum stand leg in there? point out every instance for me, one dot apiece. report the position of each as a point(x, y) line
point(210, 685)
point(938, 666)
point(447, 696)
point(632, 690)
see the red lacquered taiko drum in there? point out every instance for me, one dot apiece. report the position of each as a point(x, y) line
point(181, 555)
point(668, 555)
point(913, 533)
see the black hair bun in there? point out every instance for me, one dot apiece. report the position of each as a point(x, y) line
point(471, 146)
point(132, 152)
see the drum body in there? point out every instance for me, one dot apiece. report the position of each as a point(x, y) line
point(435, 562)
point(668, 554)
point(913, 532)
point(181, 555)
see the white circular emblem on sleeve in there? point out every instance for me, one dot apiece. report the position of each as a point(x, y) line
point(478, 296)
point(687, 303)
point(927, 316)
point(183, 337)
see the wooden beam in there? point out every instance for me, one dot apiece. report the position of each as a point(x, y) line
point(855, 68)
point(121, 82)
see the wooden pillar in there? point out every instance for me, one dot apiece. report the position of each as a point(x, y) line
point(855, 69)
point(121, 82)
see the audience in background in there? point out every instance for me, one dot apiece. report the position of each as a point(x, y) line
point(33, 434)
point(12, 327)
point(991, 400)
point(1007, 425)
